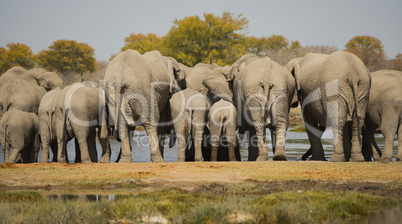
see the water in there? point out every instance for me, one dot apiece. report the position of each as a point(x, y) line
point(297, 144)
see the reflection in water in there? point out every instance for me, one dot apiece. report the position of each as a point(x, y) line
point(297, 144)
point(87, 197)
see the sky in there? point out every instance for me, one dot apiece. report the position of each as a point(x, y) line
point(104, 24)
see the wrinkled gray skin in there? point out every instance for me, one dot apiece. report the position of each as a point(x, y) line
point(334, 91)
point(77, 115)
point(37, 76)
point(20, 94)
point(263, 93)
point(47, 124)
point(140, 86)
point(222, 123)
point(384, 115)
point(19, 130)
point(189, 110)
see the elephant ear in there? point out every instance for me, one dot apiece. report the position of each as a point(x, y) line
point(218, 85)
point(294, 67)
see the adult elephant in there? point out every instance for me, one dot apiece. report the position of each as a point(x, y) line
point(79, 112)
point(189, 110)
point(20, 94)
point(47, 124)
point(384, 115)
point(37, 76)
point(333, 91)
point(263, 93)
point(19, 130)
point(137, 91)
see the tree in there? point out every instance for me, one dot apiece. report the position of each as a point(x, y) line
point(213, 40)
point(369, 50)
point(66, 56)
point(264, 45)
point(17, 55)
point(142, 43)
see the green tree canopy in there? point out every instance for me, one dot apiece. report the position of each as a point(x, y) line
point(216, 39)
point(17, 55)
point(66, 56)
point(262, 46)
point(142, 43)
point(368, 49)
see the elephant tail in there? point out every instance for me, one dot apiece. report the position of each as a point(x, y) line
point(355, 88)
point(190, 130)
point(117, 112)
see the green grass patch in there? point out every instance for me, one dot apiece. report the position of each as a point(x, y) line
point(180, 206)
point(20, 196)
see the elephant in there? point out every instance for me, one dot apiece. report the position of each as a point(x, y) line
point(137, 89)
point(20, 94)
point(263, 92)
point(37, 76)
point(189, 110)
point(222, 121)
point(19, 130)
point(384, 115)
point(79, 110)
point(47, 124)
point(333, 91)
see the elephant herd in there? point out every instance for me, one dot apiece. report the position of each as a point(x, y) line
point(203, 108)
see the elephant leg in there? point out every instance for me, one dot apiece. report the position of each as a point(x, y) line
point(206, 145)
point(252, 145)
point(6, 149)
point(105, 144)
point(389, 129)
point(197, 140)
point(214, 144)
point(356, 151)
point(370, 145)
point(307, 154)
point(273, 139)
point(161, 139)
point(78, 158)
point(280, 154)
point(15, 155)
point(126, 156)
point(54, 147)
point(314, 133)
point(93, 152)
point(82, 142)
point(338, 154)
point(45, 151)
point(262, 146)
point(61, 155)
point(231, 142)
point(237, 148)
point(152, 133)
point(399, 155)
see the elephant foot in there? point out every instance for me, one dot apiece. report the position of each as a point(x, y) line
point(337, 158)
point(181, 159)
point(280, 157)
point(385, 159)
point(398, 159)
point(86, 161)
point(105, 159)
point(262, 158)
point(157, 159)
point(126, 159)
point(358, 157)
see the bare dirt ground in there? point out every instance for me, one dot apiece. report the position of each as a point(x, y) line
point(377, 178)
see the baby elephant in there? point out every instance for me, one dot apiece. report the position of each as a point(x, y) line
point(19, 130)
point(189, 112)
point(222, 119)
